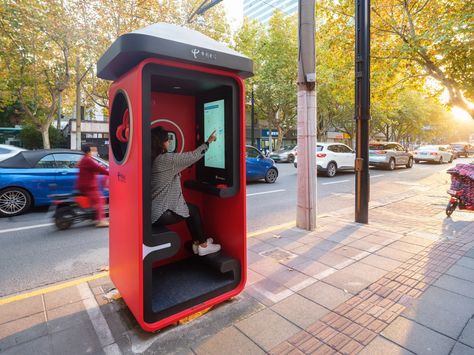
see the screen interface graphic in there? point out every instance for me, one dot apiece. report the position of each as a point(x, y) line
point(214, 120)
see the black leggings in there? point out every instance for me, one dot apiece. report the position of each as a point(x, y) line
point(193, 221)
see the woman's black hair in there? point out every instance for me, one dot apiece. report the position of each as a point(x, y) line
point(159, 136)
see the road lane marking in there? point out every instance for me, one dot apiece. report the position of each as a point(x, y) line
point(272, 229)
point(53, 288)
point(98, 321)
point(335, 182)
point(404, 172)
point(265, 192)
point(25, 228)
point(376, 176)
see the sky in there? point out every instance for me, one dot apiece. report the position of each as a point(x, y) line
point(235, 12)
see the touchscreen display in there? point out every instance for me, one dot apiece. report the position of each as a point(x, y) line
point(214, 114)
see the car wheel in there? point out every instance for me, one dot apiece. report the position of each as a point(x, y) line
point(271, 175)
point(451, 159)
point(440, 160)
point(291, 159)
point(391, 164)
point(331, 169)
point(14, 201)
point(410, 163)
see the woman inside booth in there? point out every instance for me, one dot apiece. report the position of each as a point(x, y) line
point(168, 205)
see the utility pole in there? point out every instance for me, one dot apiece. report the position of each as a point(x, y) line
point(252, 117)
point(78, 106)
point(362, 109)
point(306, 201)
point(79, 79)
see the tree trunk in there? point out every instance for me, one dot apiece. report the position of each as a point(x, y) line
point(280, 138)
point(45, 135)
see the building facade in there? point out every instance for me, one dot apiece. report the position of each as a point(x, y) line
point(263, 10)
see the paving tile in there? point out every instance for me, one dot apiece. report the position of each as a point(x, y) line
point(62, 297)
point(407, 247)
point(461, 349)
point(267, 329)
point(456, 285)
point(266, 266)
point(347, 281)
point(310, 252)
point(377, 238)
point(18, 309)
point(291, 278)
point(22, 330)
point(461, 272)
point(417, 240)
point(417, 338)
point(382, 346)
point(470, 253)
point(268, 291)
point(351, 252)
point(364, 245)
point(466, 262)
point(310, 267)
point(300, 310)
point(365, 271)
point(66, 316)
point(381, 262)
point(335, 260)
point(467, 336)
point(325, 294)
point(395, 254)
point(38, 346)
point(253, 277)
point(80, 339)
point(228, 341)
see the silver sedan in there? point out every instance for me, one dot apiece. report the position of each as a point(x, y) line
point(433, 153)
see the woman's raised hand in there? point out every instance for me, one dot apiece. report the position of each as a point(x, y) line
point(212, 137)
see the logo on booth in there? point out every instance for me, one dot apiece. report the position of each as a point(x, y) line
point(197, 53)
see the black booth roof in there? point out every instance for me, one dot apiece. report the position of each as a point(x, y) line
point(163, 40)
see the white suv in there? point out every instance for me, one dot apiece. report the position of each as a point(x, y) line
point(333, 157)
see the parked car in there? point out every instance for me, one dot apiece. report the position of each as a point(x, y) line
point(7, 151)
point(333, 157)
point(389, 155)
point(258, 166)
point(286, 154)
point(433, 153)
point(30, 177)
point(450, 149)
point(463, 149)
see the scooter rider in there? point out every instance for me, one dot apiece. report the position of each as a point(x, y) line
point(87, 184)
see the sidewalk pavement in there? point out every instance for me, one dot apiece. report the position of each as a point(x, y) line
point(402, 284)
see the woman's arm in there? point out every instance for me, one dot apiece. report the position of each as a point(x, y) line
point(181, 161)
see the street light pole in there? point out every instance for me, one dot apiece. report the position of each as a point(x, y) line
point(362, 109)
point(252, 117)
point(306, 198)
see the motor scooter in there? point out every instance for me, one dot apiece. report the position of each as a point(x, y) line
point(73, 208)
point(462, 188)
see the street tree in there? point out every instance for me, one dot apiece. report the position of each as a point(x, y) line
point(430, 38)
point(36, 41)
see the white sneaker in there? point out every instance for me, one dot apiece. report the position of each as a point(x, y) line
point(211, 248)
point(195, 246)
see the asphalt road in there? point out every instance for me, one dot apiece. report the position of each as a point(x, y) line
point(33, 253)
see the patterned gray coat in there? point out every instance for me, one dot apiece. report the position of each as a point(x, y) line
point(166, 189)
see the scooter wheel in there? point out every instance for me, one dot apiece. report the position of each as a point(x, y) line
point(63, 219)
point(450, 208)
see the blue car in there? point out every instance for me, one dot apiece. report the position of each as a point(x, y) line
point(30, 177)
point(259, 167)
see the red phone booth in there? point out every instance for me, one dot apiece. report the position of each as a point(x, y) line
point(189, 84)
